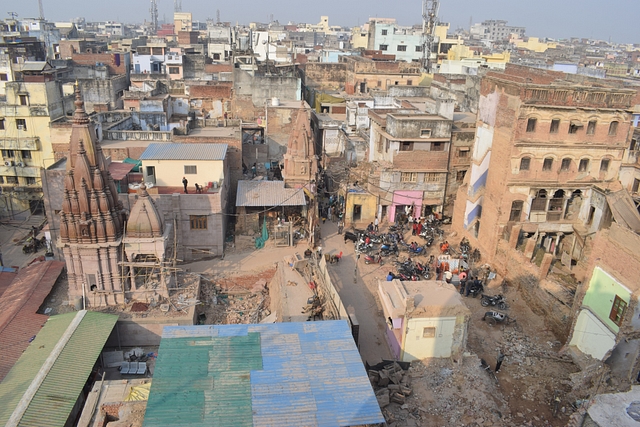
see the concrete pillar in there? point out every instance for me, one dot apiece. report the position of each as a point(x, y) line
point(513, 238)
point(545, 266)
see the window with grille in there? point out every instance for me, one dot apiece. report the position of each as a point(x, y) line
point(12, 179)
point(617, 310)
point(409, 177)
point(198, 222)
point(190, 169)
point(31, 180)
point(384, 47)
point(516, 210)
point(402, 48)
point(431, 177)
point(566, 164)
point(21, 124)
point(428, 332)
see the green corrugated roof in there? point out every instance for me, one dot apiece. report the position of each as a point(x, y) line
point(208, 385)
point(56, 396)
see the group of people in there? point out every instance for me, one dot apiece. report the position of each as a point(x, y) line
point(185, 183)
point(374, 226)
point(332, 211)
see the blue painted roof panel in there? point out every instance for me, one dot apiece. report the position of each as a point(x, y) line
point(294, 374)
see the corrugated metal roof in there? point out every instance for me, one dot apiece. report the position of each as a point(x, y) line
point(268, 193)
point(279, 374)
point(176, 151)
point(19, 304)
point(56, 396)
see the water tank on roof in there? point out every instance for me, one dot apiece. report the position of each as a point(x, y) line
point(275, 102)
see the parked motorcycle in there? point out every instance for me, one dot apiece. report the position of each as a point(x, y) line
point(373, 259)
point(494, 301)
point(475, 289)
point(495, 317)
point(389, 249)
point(413, 248)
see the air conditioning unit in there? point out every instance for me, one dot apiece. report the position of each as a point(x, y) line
point(20, 164)
point(8, 163)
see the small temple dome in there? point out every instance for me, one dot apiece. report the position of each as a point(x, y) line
point(144, 219)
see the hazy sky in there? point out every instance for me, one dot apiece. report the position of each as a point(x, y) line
point(605, 19)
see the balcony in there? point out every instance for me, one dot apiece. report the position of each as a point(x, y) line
point(24, 171)
point(29, 144)
point(136, 135)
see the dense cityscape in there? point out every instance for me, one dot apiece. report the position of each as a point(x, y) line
point(210, 223)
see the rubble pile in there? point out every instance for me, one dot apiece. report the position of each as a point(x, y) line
point(236, 305)
point(526, 352)
point(439, 392)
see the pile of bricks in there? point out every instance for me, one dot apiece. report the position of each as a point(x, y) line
point(392, 384)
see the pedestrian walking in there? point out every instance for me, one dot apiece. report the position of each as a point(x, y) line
point(340, 226)
point(499, 361)
point(329, 213)
point(375, 224)
point(184, 184)
point(415, 229)
point(253, 171)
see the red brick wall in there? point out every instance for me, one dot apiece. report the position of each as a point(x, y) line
point(220, 91)
point(106, 58)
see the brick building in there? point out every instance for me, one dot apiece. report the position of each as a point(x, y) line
point(545, 142)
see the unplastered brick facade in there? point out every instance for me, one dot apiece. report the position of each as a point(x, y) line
point(543, 141)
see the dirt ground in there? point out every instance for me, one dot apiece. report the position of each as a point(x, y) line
point(462, 393)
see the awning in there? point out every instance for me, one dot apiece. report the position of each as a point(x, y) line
point(120, 170)
point(576, 123)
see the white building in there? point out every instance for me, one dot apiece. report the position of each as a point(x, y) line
point(404, 42)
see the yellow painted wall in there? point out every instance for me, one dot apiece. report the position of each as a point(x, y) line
point(534, 44)
point(169, 173)
point(369, 205)
point(359, 37)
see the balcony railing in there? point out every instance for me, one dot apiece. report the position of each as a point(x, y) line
point(137, 135)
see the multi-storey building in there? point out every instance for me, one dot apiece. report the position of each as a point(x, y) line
point(32, 101)
point(410, 151)
point(548, 146)
point(495, 29)
point(405, 43)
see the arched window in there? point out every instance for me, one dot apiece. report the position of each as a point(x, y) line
point(531, 125)
point(613, 128)
point(566, 164)
point(525, 163)
point(547, 164)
